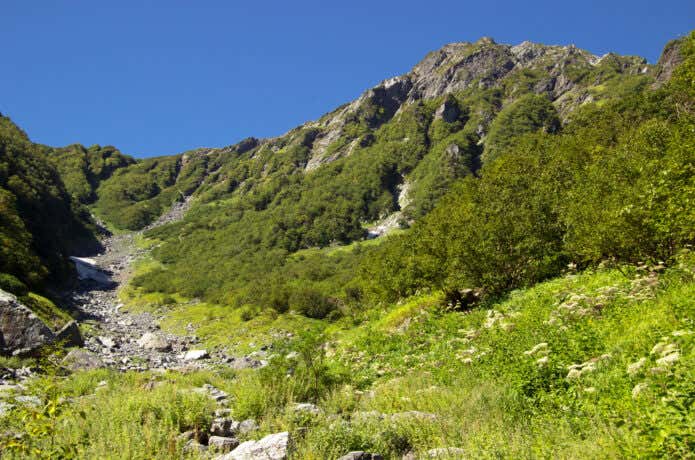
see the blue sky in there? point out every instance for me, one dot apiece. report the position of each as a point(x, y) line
point(156, 78)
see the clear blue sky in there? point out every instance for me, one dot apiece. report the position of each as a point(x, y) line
point(161, 77)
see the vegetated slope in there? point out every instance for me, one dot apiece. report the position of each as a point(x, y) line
point(411, 137)
point(40, 223)
point(84, 168)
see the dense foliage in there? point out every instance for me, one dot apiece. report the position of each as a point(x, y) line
point(617, 184)
point(40, 224)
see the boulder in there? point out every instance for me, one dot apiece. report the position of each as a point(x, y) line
point(153, 341)
point(272, 447)
point(222, 443)
point(21, 331)
point(70, 335)
point(81, 359)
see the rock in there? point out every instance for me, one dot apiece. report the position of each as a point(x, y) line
point(224, 427)
point(193, 446)
point(247, 426)
point(107, 342)
point(21, 331)
point(70, 335)
point(80, 359)
point(152, 341)
point(194, 355)
point(272, 447)
point(222, 444)
point(360, 455)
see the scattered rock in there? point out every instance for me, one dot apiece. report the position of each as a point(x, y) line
point(272, 447)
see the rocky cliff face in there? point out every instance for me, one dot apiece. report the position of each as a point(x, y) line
point(566, 74)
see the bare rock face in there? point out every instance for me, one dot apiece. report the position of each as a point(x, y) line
point(670, 58)
point(272, 447)
point(21, 331)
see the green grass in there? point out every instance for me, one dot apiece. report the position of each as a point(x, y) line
point(473, 370)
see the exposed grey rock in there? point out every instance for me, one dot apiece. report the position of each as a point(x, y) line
point(360, 455)
point(224, 427)
point(247, 426)
point(153, 341)
point(272, 447)
point(80, 359)
point(222, 443)
point(21, 331)
point(70, 335)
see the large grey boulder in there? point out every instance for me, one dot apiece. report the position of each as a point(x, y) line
point(81, 359)
point(21, 331)
point(272, 447)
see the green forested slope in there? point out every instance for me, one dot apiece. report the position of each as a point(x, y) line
point(40, 223)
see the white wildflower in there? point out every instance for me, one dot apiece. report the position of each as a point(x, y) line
point(636, 367)
point(638, 389)
point(669, 359)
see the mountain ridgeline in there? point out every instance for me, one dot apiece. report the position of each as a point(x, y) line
point(472, 129)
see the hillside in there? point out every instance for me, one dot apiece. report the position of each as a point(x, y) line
point(487, 257)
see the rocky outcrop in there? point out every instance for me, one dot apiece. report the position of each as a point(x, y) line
point(21, 331)
point(670, 58)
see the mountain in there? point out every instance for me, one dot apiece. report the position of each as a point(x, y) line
point(489, 256)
